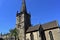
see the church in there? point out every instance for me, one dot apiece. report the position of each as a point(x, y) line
point(46, 31)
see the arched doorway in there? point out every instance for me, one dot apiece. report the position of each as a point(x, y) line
point(1, 38)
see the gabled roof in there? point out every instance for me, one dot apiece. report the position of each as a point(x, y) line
point(50, 25)
point(33, 28)
point(46, 26)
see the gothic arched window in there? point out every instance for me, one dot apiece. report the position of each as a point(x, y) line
point(51, 35)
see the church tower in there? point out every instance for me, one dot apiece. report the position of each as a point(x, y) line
point(22, 21)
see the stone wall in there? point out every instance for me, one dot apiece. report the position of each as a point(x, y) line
point(55, 33)
point(28, 36)
point(35, 36)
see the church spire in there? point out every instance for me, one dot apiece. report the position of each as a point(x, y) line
point(23, 8)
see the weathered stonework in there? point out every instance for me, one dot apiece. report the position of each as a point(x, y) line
point(55, 32)
point(47, 31)
point(35, 36)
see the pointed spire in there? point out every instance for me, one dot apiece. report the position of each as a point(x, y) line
point(23, 9)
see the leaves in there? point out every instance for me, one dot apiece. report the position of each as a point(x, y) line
point(14, 32)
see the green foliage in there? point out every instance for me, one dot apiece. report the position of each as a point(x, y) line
point(13, 32)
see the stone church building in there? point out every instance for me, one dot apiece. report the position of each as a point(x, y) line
point(47, 31)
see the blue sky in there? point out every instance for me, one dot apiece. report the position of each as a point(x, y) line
point(41, 11)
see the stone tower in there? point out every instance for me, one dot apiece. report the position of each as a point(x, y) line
point(22, 21)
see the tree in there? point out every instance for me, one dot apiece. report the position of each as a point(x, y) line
point(14, 33)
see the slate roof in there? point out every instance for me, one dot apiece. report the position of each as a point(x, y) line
point(49, 25)
point(33, 28)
